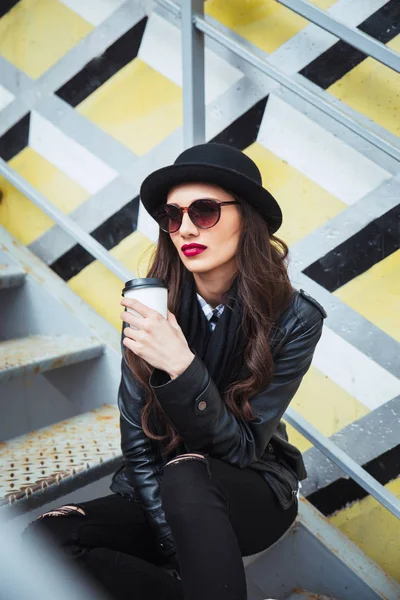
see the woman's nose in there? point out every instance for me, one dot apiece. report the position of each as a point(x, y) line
point(187, 225)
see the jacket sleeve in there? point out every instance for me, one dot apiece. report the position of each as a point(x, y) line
point(140, 458)
point(193, 403)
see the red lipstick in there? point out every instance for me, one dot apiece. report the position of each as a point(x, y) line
point(193, 249)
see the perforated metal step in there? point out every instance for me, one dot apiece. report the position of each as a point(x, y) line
point(37, 354)
point(35, 463)
point(11, 276)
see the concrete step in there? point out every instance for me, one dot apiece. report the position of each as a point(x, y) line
point(45, 464)
point(11, 276)
point(37, 354)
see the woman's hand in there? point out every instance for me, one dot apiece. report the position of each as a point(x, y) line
point(159, 341)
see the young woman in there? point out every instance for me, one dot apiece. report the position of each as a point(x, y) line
point(209, 475)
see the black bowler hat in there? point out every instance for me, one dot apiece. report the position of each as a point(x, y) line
point(221, 165)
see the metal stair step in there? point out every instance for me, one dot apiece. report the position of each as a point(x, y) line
point(303, 595)
point(35, 463)
point(37, 354)
point(11, 276)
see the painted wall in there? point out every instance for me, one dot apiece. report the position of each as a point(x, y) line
point(90, 102)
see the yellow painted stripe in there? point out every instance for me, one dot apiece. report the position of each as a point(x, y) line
point(138, 106)
point(325, 405)
point(305, 205)
point(102, 289)
point(376, 294)
point(264, 23)
point(374, 529)
point(35, 34)
point(19, 215)
point(373, 90)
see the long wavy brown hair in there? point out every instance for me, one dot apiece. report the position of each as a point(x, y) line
point(264, 291)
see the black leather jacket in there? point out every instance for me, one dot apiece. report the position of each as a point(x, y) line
point(261, 444)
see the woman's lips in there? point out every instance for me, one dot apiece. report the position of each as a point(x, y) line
point(193, 251)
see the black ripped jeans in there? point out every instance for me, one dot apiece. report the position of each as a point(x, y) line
point(217, 513)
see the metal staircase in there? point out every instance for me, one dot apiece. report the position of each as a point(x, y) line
point(60, 363)
point(59, 372)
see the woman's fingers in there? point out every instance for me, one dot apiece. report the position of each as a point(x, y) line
point(131, 344)
point(134, 334)
point(139, 307)
point(172, 320)
point(174, 323)
point(156, 340)
point(131, 319)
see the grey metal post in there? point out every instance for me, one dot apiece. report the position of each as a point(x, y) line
point(194, 113)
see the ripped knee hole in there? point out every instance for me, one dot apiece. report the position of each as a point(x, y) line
point(62, 511)
point(186, 457)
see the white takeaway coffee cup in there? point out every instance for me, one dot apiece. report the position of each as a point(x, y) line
point(150, 291)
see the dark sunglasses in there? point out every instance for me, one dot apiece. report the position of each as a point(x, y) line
point(204, 213)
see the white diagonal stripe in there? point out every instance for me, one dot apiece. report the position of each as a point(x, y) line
point(347, 223)
point(67, 155)
point(161, 48)
point(353, 371)
point(94, 11)
point(6, 97)
point(317, 153)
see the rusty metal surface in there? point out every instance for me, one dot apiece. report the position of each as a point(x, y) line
point(41, 459)
point(10, 276)
point(37, 354)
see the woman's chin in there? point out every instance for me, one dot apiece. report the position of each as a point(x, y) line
point(199, 266)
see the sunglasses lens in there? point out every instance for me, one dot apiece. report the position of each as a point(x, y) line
point(204, 213)
point(169, 218)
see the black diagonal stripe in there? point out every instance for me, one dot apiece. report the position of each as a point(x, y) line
point(375, 242)
point(338, 60)
point(335, 496)
point(103, 67)
point(242, 132)
point(109, 234)
point(15, 139)
point(7, 5)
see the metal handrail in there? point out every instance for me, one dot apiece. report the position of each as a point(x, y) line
point(321, 100)
point(66, 223)
point(344, 461)
point(353, 36)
